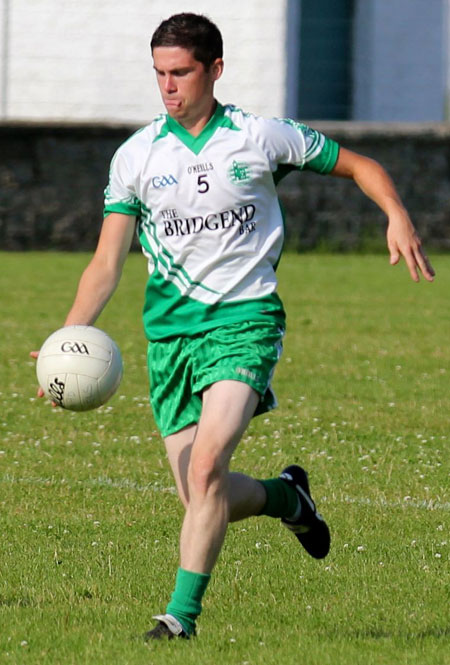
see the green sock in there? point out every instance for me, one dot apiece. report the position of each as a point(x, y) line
point(282, 499)
point(186, 602)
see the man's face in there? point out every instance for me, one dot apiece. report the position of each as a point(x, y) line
point(187, 90)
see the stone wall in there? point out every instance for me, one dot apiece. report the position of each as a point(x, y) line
point(334, 214)
point(52, 178)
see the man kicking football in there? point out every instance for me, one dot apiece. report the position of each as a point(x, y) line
point(199, 185)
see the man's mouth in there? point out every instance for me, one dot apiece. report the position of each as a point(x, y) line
point(172, 103)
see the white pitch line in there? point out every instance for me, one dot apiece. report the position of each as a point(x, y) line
point(128, 484)
point(407, 501)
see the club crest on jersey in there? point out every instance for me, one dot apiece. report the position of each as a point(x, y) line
point(159, 181)
point(239, 173)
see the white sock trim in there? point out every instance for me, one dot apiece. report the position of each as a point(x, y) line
point(171, 622)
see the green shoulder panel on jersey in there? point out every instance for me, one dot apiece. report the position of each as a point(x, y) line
point(197, 143)
point(165, 129)
point(322, 163)
point(321, 152)
point(325, 161)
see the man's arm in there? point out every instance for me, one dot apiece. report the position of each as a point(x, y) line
point(101, 277)
point(374, 181)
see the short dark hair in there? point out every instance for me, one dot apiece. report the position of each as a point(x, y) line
point(194, 32)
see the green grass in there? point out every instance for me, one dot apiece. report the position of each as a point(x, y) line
point(89, 521)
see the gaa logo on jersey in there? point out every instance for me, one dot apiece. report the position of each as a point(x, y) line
point(239, 173)
point(163, 181)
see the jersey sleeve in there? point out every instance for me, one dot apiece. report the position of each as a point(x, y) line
point(298, 146)
point(120, 195)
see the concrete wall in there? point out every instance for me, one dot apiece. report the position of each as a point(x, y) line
point(400, 60)
point(446, 28)
point(84, 60)
point(52, 179)
point(78, 59)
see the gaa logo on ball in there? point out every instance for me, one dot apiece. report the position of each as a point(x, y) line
point(79, 367)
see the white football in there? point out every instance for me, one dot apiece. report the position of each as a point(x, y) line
point(79, 367)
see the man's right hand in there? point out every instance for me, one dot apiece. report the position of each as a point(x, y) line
point(40, 392)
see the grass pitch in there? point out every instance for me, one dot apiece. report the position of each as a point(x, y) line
point(89, 520)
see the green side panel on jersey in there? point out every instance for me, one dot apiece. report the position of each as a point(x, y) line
point(167, 314)
point(197, 143)
point(174, 269)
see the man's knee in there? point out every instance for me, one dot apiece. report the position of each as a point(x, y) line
point(207, 475)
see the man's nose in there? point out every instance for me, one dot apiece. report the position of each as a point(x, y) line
point(169, 84)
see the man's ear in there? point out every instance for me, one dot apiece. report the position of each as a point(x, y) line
point(217, 68)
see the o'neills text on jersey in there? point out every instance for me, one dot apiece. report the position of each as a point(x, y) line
point(200, 168)
point(212, 222)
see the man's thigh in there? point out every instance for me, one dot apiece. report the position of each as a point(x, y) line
point(228, 407)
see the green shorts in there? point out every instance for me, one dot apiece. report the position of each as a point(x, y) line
point(181, 368)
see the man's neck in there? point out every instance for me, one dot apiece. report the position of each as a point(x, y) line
point(195, 126)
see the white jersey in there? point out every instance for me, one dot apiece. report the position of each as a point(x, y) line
point(208, 216)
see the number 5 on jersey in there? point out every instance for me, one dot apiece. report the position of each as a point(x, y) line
point(202, 184)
